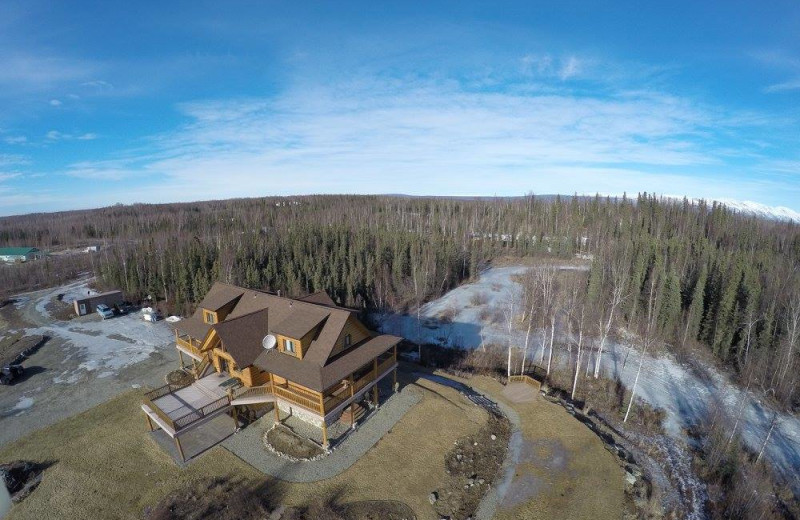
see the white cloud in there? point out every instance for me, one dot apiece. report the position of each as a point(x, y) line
point(784, 86)
point(13, 159)
point(425, 137)
point(55, 135)
point(16, 139)
point(569, 69)
point(55, 103)
point(36, 71)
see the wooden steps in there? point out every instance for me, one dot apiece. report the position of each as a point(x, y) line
point(358, 413)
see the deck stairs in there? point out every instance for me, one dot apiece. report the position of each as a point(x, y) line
point(253, 395)
point(202, 368)
point(358, 412)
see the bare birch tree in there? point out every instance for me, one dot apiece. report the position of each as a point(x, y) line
point(648, 336)
point(618, 280)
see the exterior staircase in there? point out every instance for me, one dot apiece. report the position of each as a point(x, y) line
point(253, 395)
point(358, 412)
point(202, 368)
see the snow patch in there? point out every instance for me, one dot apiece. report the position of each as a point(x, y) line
point(685, 393)
point(22, 405)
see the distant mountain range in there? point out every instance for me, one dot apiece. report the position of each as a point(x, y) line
point(739, 206)
point(754, 208)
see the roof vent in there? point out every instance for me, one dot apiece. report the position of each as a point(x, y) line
point(269, 342)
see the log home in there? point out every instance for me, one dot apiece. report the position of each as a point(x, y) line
point(306, 356)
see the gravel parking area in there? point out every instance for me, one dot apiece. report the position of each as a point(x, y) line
point(84, 361)
point(248, 443)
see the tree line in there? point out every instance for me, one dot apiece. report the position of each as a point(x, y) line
point(697, 273)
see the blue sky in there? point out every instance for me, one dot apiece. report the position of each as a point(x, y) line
point(128, 102)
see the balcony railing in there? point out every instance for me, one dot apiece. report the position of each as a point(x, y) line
point(253, 391)
point(190, 344)
point(298, 398)
point(161, 391)
point(189, 418)
point(346, 391)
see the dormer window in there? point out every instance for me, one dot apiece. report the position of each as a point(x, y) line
point(347, 340)
point(209, 317)
point(289, 346)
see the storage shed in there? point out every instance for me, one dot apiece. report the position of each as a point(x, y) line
point(88, 305)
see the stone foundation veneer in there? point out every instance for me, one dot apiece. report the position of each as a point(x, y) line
point(301, 413)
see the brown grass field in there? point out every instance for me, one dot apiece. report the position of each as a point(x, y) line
point(104, 465)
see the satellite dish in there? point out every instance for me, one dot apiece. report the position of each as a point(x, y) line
point(269, 342)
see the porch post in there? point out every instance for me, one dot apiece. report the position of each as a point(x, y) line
point(235, 417)
point(180, 356)
point(324, 434)
point(180, 448)
point(277, 412)
point(375, 381)
point(352, 415)
point(394, 383)
point(149, 422)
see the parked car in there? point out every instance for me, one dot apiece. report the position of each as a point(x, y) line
point(9, 373)
point(105, 311)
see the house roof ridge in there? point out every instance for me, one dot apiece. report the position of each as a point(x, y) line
point(265, 309)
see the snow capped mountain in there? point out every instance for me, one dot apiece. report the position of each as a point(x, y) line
point(749, 208)
point(762, 210)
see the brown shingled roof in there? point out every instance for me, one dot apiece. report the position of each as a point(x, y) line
point(299, 321)
point(193, 326)
point(220, 295)
point(322, 378)
point(242, 336)
point(256, 314)
point(320, 297)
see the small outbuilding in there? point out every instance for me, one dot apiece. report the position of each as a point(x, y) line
point(19, 254)
point(88, 305)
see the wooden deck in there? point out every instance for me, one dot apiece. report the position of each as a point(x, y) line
point(176, 409)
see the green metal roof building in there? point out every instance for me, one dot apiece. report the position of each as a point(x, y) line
point(19, 254)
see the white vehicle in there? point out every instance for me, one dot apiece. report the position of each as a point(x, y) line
point(105, 311)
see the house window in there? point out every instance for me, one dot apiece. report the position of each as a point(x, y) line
point(347, 340)
point(210, 318)
point(288, 346)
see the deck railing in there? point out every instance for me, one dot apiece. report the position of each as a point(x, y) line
point(345, 392)
point(525, 379)
point(295, 397)
point(253, 391)
point(190, 344)
point(161, 391)
point(189, 418)
point(385, 366)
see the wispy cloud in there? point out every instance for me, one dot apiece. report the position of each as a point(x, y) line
point(569, 69)
point(16, 139)
point(55, 103)
point(36, 71)
point(783, 86)
point(418, 136)
point(55, 135)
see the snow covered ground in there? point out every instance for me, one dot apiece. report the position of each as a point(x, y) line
point(83, 362)
point(102, 346)
point(685, 393)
